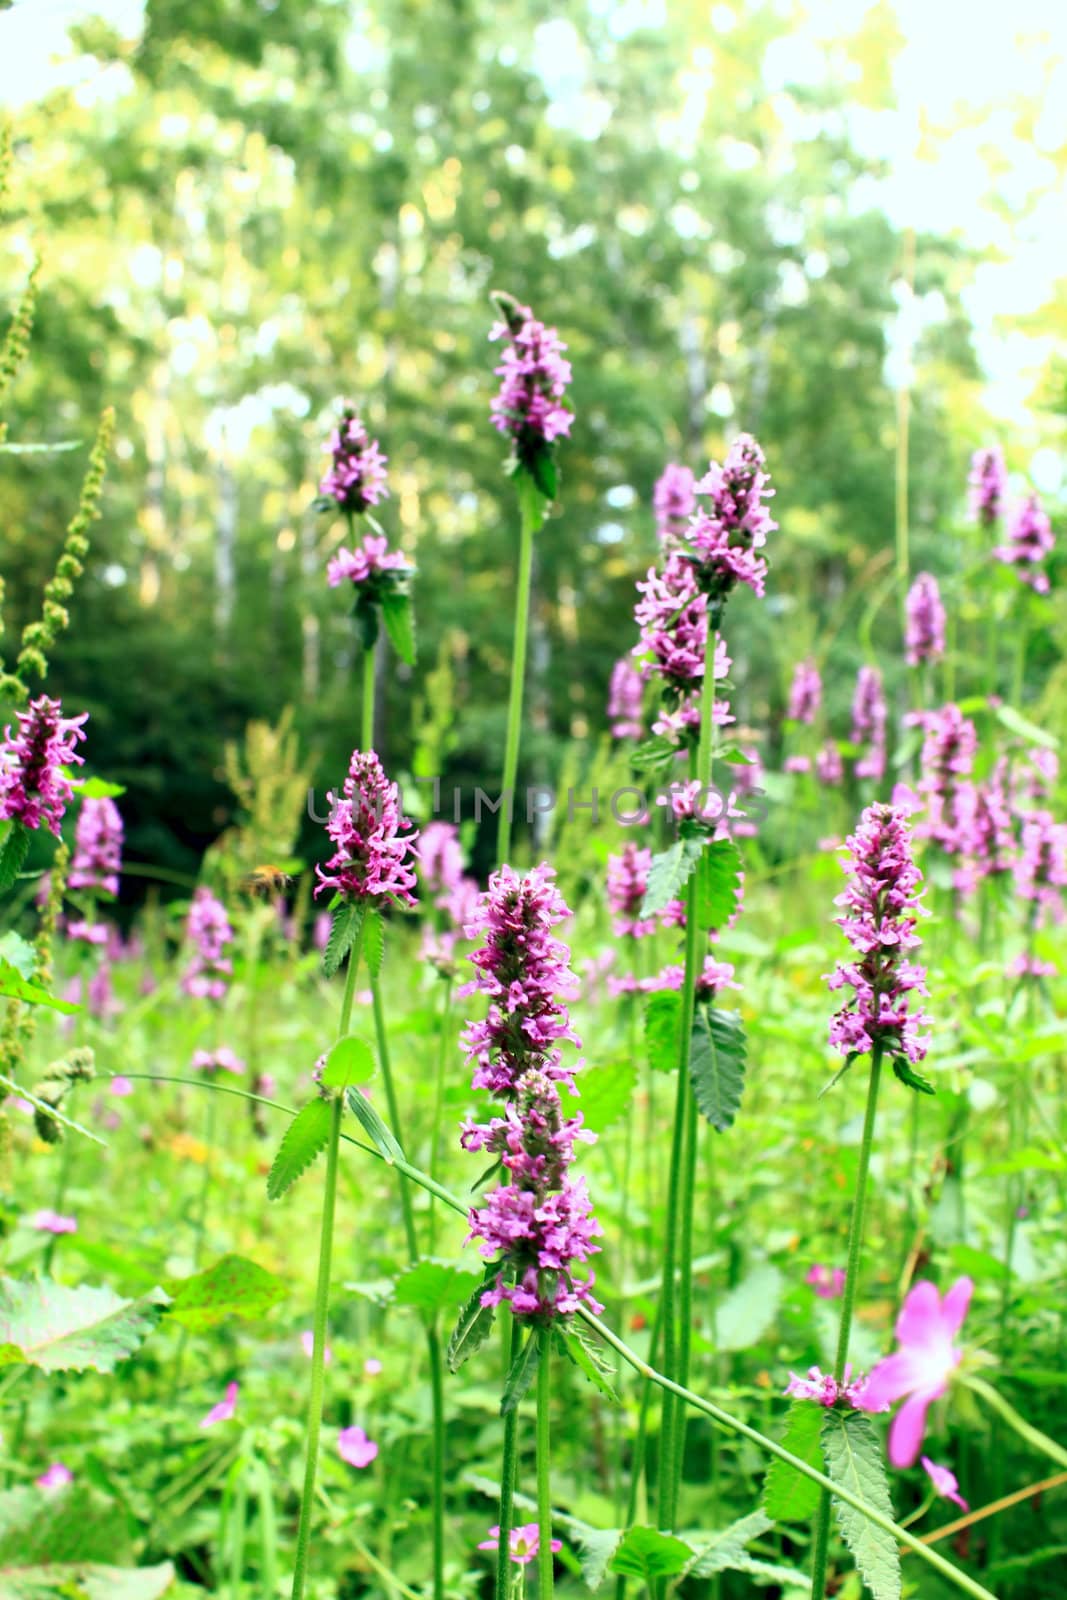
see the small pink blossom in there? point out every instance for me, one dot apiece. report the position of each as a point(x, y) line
point(307, 1344)
point(828, 1282)
point(523, 1543)
point(355, 1447)
point(53, 1222)
point(57, 1476)
point(120, 1086)
point(944, 1481)
point(224, 1409)
point(372, 1366)
point(919, 1372)
point(824, 1389)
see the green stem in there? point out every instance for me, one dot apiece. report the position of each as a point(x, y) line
point(439, 1103)
point(1033, 1436)
point(637, 1463)
point(507, 1478)
point(394, 1112)
point(367, 709)
point(322, 1299)
point(848, 1303)
point(544, 1471)
point(437, 1389)
point(531, 515)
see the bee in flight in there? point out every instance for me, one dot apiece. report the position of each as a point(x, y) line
point(267, 880)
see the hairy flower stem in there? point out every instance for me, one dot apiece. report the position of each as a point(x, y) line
point(366, 741)
point(436, 1125)
point(507, 1475)
point(322, 1299)
point(848, 1303)
point(681, 1193)
point(544, 1467)
point(531, 516)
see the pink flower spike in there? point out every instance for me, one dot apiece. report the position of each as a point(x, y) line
point(57, 1476)
point(919, 1372)
point(224, 1410)
point(53, 1222)
point(828, 1282)
point(307, 1344)
point(523, 1543)
point(944, 1481)
point(355, 1448)
point(372, 1366)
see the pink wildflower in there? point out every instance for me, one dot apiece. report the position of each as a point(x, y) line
point(375, 842)
point(354, 1447)
point(828, 1282)
point(625, 696)
point(988, 483)
point(944, 1481)
point(53, 1222)
point(925, 633)
point(224, 1409)
point(523, 1543)
point(32, 786)
point(920, 1371)
point(97, 847)
point(534, 376)
point(805, 694)
point(363, 565)
point(673, 501)
point(208, 930)
point(357, 478)
point(1030, 541)
point(57, 1476)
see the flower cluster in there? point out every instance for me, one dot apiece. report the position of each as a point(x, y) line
point(540, 1223)
point(33, 788)
point(805, 693)
point(828, 1282)
point(988, 483)
point(212, 1062)
point(673, 617)
point(524, 1543)
point(375, 842)
point(1041, 870)
point(534, 376)
point(1030, 540)
point(985, 836)
point(673, 501)
point(723, 538)
point(357, 479)
point(824, 1389)
point(924, 637)
point(97, 847)
point(208, 930)
point(829, 767)
point(366, 565)
point(440, 861)
point(947, 758)
point(625, 694)
point(881, 904)
point(868, 723)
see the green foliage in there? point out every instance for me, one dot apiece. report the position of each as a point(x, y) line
point(305, 1138)
point(381, 1137)
point(398, 615)
point(232, 1287)
point(854, 1460)
point(669, 873)
point(717, 1059)
point(350, 1061)
point(13, 852)
point(744, 1314)
point(648, 1554)
point(347, 919)
point(662, 1013)
point(374, 942)
point(60, 1329)
point(432, 1286)
point(588, 1355)
point(473, 1325)
point(606, 1091)
point(787, 1495)
point(718, 883)
point(530, 1353)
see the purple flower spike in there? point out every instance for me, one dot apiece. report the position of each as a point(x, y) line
point(32, 786)
point(988, 484)
point(925, 634)
point(805, 694)
point(868, 723)
point(882, 903)
point(534, 376)
point(375, 842)
point(673, 501)
point(208, 930)
point(1030, 541)
point(97, 847)
point(723, 538)
point(357, 479)
point(625, 696)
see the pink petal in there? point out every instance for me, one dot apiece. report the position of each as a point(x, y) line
point(907, 1429)
point(355, 1448)
point(955, 1305)
point(893, 1378)
point(919, 1322)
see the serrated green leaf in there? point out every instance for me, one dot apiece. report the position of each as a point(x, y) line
point(717, 1064)
point(606, 1092)
point(544, 474)
point(398, 614)
point(381, 1136)
point(653, 753)
point(351, 1060)
point(233, 1287)
point(669, 873)
point(99, 789)
point(787, 1495)
point(596, 1546)
point(473, 1325)
point(854, 1460)
point(911, 1079)
point(661, 1031)
point(431, 1286)
point(718, 884)
point(646, 1553)
point(588, 1356)
point(15, 987)
point(13, 850)
point(744, 1314)
point(374, 942)
point(60, 1329)
point(344, 926)
point(523, 1370)
point(304, 1139)
point(724, 1550)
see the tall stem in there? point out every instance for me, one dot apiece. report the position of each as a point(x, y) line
point(439, 1103)
point(544, 1472)
point(367, 709)
point(848, 1303)
point(531, 515)
point(322, 1298)
point(507, 1476)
